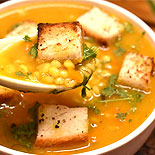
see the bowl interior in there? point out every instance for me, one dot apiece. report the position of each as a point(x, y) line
point(122, 13)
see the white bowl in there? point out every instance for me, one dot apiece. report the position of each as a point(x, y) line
point(132, 142)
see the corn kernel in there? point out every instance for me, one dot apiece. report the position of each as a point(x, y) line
point(69, 64)
point(64, 74)
point(69, 82)
point(18, 62)
point(44, 67)
point(91, 66)
point(88, 94)
point(107, 66)
point(97, 62)
point(99, 71)
point(86, 71)
point(10, 69)
point(96, 90)
point(23, 68)
point(48, 79)
point(56, 63)
point(55, 72)
point(105, 73)
point(59, 80)
point(106, 59)
point(33, 78)
point(36, 74)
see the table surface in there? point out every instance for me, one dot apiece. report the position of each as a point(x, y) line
point(141, 9)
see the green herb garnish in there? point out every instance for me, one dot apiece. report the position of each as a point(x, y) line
point(121, 116)
point(15, 26)
point(94, 108)
point(89, 52)
point(84, 83)
point(27, 38)
point(110, 89)
point(130, 120)
point(33, 51)
point(131, 96)
point(135, 97)
point(114, 100)
point(33, 111)
point(143, 33)
point(128, 27)
point(20, 73)
point(119, 51)
point(25, 132)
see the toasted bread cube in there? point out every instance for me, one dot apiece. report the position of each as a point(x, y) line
point(100, 25)
point(6, 93)
point(60, 41)
point(59, 125)
point(136, 71)
point(25, 28)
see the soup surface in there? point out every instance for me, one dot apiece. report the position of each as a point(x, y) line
point(110, 119)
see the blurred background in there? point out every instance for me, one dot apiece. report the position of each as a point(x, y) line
point(145, 9)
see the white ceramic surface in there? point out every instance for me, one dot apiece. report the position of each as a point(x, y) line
point(131, 143)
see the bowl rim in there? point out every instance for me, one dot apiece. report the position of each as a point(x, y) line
point(143, 26)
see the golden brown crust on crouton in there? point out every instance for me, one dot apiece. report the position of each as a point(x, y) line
point(59, 125)
point(42, 143)
point(44, 26)
point(60, 41)
point(6, 92)
point(24, 28)
point(136, 71)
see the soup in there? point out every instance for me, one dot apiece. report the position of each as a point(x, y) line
point(114, 111)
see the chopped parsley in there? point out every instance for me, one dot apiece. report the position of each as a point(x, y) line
point(119, 51)
point(33, 51)
point(112, 88)
point(130, 120)
point(121, 116)
point(20, 73)
point(27, 38)
point(143, 33)
point(94, 108)
point(33, 111)
point(135, 97)
point(84, 83)
point(25, 132)
point(89, 52)
point(114, 100)
point(15, 26)
point(128, 27)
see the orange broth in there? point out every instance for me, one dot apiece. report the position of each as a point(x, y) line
point(104, 128)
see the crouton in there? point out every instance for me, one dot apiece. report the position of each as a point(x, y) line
point(6, 93)
point(24, 28)
point(100, 25)
point(61, 41)
point(59, 125)
point(136, 71)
